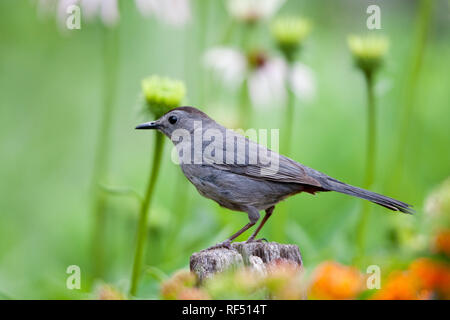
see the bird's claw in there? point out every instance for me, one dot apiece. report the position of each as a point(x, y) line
point(225, 244)
point(257, 240)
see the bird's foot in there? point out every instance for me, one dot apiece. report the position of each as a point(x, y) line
point(225, 244)
point(256, 240)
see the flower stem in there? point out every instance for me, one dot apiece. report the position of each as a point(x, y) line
point(370, 163)
point(371, 131)
point(143, 214)
point(110, 57)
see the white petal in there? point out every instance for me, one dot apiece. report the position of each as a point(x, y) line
point(302, 81)
point(256, 9)
point(228, 63)
point(267, 85)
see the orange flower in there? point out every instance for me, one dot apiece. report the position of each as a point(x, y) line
point(400, 286)
point(442, 242)
point(425, 279)
point(181, 280)
point(108, 292)
point(332, 280)
point(433, 276)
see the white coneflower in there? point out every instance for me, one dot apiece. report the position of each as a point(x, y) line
point(267, 77)
point(289, 34)
point(267, 81)
point(253, 10)
point(228, 63)
point(172, 12)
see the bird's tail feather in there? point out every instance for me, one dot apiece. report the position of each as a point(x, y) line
point(392, 204)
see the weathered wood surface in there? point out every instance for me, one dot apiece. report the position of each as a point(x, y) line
point(255, 255)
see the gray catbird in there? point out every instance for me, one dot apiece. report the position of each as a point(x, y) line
point(240, 174)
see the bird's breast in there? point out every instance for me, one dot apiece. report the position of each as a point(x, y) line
point(234, 191)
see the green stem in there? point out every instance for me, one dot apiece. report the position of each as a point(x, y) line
point(110, 72)
point(370, 163)
point(143, 214)
point(410, 93)
point(371, 131)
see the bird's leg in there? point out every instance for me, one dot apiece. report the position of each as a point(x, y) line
point(266, 217)
point(253, 216)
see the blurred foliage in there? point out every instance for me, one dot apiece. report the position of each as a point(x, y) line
point(51, 96)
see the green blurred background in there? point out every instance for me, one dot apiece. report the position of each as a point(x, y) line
point(51, 96)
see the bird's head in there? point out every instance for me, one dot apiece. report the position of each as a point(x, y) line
point(179, 118)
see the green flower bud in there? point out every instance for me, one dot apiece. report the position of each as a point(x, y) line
point(162, 94)
point(368, 52)
point(289, 34)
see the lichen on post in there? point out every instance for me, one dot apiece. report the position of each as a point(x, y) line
point(256, 255)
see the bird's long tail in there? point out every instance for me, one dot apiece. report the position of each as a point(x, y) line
point(332, 184)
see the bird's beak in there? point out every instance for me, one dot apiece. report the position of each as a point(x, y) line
point(148, 125)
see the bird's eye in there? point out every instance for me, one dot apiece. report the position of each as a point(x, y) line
point(172, 119)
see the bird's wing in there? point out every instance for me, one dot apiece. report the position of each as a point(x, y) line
point(268, 165)
point(287, 172)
